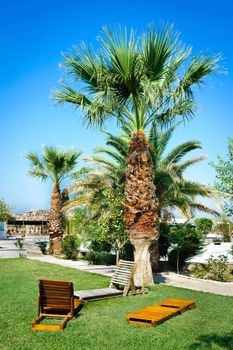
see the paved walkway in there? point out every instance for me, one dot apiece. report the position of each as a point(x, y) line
point(79, 265)
point(181, 281)
point(169, 278)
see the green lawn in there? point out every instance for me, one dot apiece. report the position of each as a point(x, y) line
point(102, 325)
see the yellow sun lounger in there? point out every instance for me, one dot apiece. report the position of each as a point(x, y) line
point(160, 312)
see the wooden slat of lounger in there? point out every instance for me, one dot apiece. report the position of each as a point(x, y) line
point(154, 311)
point(179, 304)
point(148, 319)
point(92, 293)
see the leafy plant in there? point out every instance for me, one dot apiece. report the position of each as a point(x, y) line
point(5, 211)
point(204, 225)
point(19, 244)
point(224, 227)
point(198, 271)
point(186, 241)
point(43, 247)
point(217, 269)
point(100, 258)
point(224, 177)
point(70, 245)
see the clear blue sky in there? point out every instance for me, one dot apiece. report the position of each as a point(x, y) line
point(34, 33)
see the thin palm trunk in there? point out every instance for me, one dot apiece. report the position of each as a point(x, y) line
point(140, 206)
point(55, 221)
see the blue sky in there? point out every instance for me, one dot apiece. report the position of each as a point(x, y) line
point(34, 33)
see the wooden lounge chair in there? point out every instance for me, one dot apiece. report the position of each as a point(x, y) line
point(56, 300)
point(160, 312)
point(123, 276)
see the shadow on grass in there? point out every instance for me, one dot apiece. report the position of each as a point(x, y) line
point(209, 341)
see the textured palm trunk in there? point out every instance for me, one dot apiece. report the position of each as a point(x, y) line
point(55, 221)
point(154, 256)
point(141, 205)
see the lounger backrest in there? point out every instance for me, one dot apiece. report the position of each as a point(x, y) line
point(123, 273)
point(55, 294)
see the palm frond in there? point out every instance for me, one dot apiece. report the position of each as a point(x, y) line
point(200, 67)
point(179, 152)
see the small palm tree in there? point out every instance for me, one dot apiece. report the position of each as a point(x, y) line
point(56, 165)
point(137, 80)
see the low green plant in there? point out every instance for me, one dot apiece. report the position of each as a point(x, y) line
point(19, 244)
point(101, 258)
point(43, 247)
point(198, 271)
point(70, 245)
point(217, 269)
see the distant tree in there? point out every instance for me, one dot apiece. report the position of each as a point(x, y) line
point(54, 164)
point(186, 241)
point(224, 227)
point(204, 225)
point(109, 226)
point(224, 177)
point(5, 211)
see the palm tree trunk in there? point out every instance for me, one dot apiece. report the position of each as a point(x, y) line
point(141, 205)
point(154, 255)
point(55, 221)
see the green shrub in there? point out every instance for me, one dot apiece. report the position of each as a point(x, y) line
point(127, 252)
point(198, 271)
point(70, 245)
point(186, 241)
point(217, 269)
point(101, 258)
point(204, 225)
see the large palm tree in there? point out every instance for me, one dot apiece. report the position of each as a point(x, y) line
point(138, 81)
point(54, 164)
point(173, 191)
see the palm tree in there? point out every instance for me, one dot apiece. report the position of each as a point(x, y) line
point(56, 165)
point(137, 80)
point(173, 191)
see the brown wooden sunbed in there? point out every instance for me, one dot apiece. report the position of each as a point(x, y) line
point(160, 312)
point(56, 300)
point(123, 276)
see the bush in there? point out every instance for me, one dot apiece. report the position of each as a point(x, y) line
point(198, 271)
point(186, 241)
point(100, 246)
point(204, 225)
point(43, 247)
point(101, 258)
point(70, 245)
point(217, 269)
point(127, 252)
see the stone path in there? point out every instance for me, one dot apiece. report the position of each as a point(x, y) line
point(181, 281)
point(168, 278)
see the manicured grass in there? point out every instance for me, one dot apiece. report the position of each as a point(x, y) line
point(102, 325)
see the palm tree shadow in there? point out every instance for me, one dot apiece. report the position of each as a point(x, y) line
point(209, 341)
